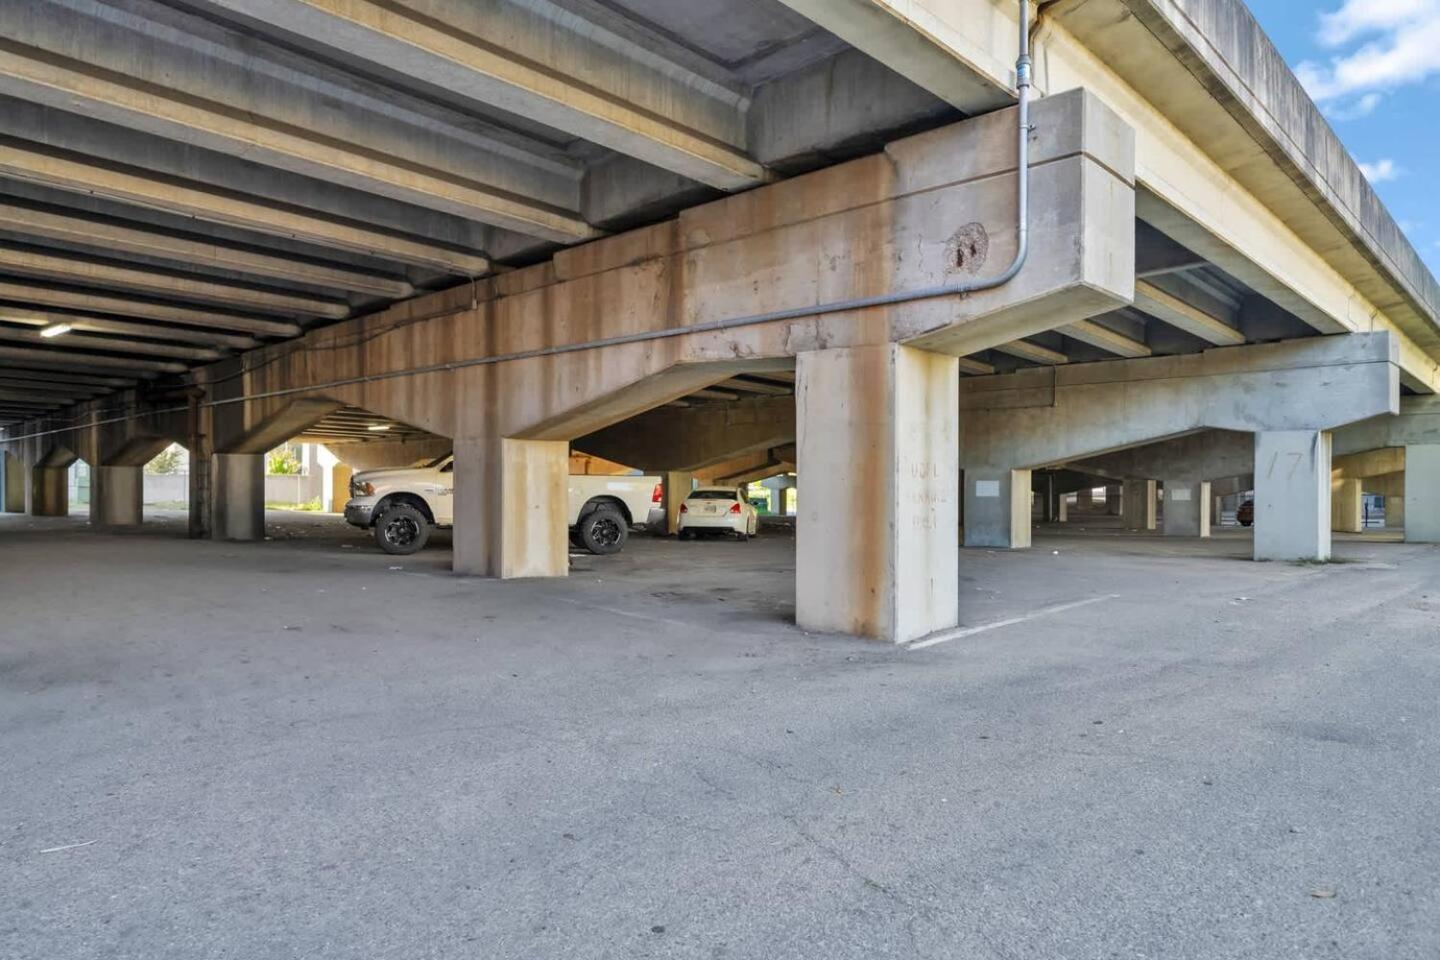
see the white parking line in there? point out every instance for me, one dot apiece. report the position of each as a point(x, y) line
point(949, 635)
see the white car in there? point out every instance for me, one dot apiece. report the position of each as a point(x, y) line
point(718, 510)
point(402, 505)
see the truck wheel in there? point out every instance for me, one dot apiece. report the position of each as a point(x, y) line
point(402, 529)
point(603, 531)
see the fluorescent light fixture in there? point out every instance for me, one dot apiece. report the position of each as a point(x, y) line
point(378, 427)
point(55, 330)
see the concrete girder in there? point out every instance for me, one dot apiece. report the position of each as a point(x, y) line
point(68, 359)
point(1033, 352)
point(216, 204)
point(79, 341)
point(1207, 455)
point(34, 388)
point(135, 80)
point(1165, 306)
point(42, 377)
point(1102, 337)
point(952, 58)
point(146, 309)
point(553, 68)
point(1369, 463)
point(975, 368)
point(83, 271)
point(126, 328)
point(139, 239)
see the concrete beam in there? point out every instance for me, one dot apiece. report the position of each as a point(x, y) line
point(553, 67)
point(125, 328)
point(1035, 418)
point(194, 252)
point(79, 341)
point(141, 86)
point(30, 293)
point(689, 439)
point(86, 272)
point(1102, 337)
point(73, 359)
point(1165, 306)
point(215, 204)
point(1033, 352)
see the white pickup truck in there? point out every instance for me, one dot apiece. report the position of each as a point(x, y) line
point(403, 504)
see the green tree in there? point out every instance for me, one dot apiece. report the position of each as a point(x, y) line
point(167, 461)
point(282, 462)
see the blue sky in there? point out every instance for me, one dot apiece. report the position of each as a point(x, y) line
point(1373, 66)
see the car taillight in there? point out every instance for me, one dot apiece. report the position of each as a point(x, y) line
point(684, 509)
point(735, 508)
point(658, 495)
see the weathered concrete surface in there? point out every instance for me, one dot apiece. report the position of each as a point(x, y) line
point(1292, 495)
point(1187, 507)
point(878, 498)
point(117, 495)
point(512, 498)
point(406, 707)
point(1422, 493)
point(1347, 506)
point(238, 492)
point(1139, 508)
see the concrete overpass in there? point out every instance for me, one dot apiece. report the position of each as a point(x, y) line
point(519, 226)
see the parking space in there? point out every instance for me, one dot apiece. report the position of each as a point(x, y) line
point(649, 759)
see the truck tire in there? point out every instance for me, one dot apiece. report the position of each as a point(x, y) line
point(402, 529)
point(603, 531)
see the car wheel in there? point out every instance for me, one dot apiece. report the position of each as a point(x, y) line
point(684, 535)
point(604, 531)
point(402, 529)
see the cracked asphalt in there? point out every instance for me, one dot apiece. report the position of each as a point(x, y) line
point(304, 748)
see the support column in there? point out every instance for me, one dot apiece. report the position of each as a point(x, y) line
point(1187, 508)
point(1084, 499)
point(878, 444)
point(237, 496)
point(997, 508)
point(1395, 512)
point(116, 496)
point(14, 498)
point(1112, 499)
point(678, 484)
point(1422, 493)
point(1292, 495)
point(1347, 506)
point(511, 513)
point(1062, 508)
point(1139, 509)
point(50, 492)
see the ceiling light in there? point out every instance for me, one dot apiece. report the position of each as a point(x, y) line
point(378, 427)
point(55, 330)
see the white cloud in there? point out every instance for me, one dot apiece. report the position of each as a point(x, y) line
point(1380, 171)
point(1354, 109)
point(1399, 44)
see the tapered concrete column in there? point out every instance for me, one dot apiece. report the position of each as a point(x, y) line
point(1139, 496)
point(878, 500)
point(1112, 499)
point(1395, 512)
point(237, 496)
point(997, 508)
point(1292, 495)
point(510, 508)
point(1062, 508)
point(50, 492)
point(340, 475)
point(1187, 508)
point(1422, 493)
point(678, 485)
point(14, 478)
point(1347, 506)
point(116, 496)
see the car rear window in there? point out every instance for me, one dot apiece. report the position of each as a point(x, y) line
point(712, 495)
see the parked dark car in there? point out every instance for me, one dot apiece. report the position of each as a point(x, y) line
point(1245, 516)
